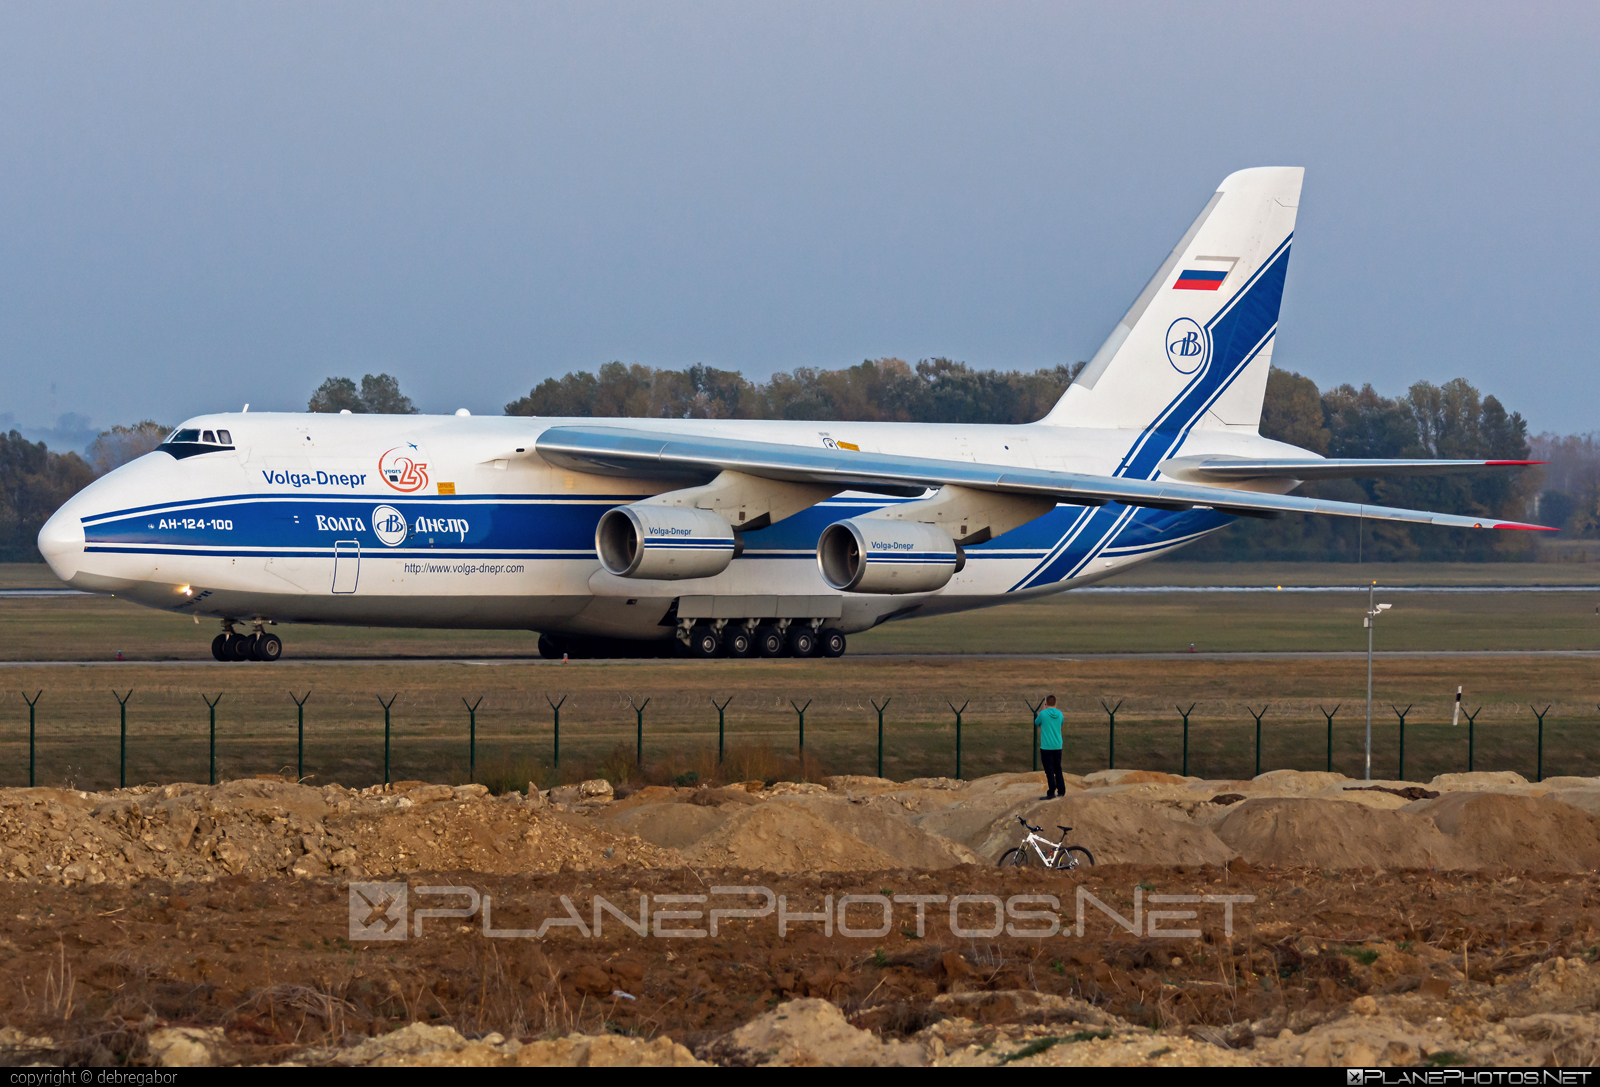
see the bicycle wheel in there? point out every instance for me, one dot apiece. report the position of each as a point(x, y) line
point(1068, 860)
point(1015, 858)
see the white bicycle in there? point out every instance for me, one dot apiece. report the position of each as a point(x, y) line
point(1062, 857)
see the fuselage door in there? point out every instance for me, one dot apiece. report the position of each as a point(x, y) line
point(346, 565)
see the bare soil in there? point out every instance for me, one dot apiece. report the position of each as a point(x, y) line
point(194, 924)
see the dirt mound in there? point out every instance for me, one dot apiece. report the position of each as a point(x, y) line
point(973, 821)
point(1515, 831)
point(261, 829)
point(1131, 777)
point(858, 784)
point(1585, 799)
point(787, 838)
point(1115, 830)
point(1478, 781)
point(1297, 782)
point(887, 829)
point(670, 826)
point(1320, 833)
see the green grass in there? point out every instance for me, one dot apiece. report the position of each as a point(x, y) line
point(77, 737)
point(98, 628)
point(167, 719)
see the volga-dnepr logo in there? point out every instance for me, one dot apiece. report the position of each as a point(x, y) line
point(1187, 345)
point(404, 468)
point(389, 525)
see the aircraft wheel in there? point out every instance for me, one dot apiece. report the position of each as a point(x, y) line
point(268, 647)
point(739, 643)
point(833, 643)
point(219, 647)
point(803, 641)
point(703, 643)
point(769, 643)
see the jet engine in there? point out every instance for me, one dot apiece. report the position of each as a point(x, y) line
point(876, 555)
point(664, 543)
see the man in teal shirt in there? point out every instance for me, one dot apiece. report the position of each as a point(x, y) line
point(1049, 725)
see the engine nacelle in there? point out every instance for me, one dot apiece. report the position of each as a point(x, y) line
point(664, 543)
point(874, 555)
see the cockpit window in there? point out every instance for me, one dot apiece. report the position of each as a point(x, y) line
point(184, 436)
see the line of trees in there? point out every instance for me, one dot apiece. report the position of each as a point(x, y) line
point(1449, 421)
point(886, 390)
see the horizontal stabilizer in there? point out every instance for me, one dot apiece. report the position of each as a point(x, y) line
point(1237, 470)
point(619, 451)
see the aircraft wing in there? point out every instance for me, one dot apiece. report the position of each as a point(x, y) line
point(619, 451)
point(1235, 469)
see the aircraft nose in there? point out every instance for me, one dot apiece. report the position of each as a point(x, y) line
point(61, 542)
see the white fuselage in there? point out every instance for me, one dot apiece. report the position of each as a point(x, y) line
point(289, 525)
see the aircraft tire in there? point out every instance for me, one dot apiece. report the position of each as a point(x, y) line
point(833, 642)
point(739, 643)
point(704, 643)
point(219, 647)
point(268, 648)
point(769, 643)
point(803, 642)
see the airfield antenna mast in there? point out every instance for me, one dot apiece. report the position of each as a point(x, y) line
point(1373, 611)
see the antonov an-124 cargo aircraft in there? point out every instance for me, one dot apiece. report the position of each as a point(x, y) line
point(619, 537)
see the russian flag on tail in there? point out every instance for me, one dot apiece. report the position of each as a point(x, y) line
point(1198, 279)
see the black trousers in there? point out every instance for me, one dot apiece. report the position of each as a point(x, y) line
point(1052, 771)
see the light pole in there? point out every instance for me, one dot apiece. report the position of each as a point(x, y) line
point(1373, 611)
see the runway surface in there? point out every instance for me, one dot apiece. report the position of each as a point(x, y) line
point(489, 662)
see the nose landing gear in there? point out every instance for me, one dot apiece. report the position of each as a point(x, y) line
point(233, 646)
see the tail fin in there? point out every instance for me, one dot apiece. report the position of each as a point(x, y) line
point(1195, 348)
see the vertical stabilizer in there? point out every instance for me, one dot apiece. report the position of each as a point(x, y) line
point(1194, 349)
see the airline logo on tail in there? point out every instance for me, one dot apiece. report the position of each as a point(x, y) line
point(1186, 345)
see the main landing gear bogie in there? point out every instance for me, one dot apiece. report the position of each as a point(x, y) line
point(767, 640)
point(705, 641)
point(259, 646)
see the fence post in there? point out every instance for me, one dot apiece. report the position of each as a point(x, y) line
point(212, 706)
point(300, 735)
point(1329, 716)
point(720, 710)
point(1111, 737)
point(386, 706)
point(1185, 713)
point(1472, 719)
point(801, 710)
point(555, 707)
point(122, 746)
point(1035, 711)
point(1402, 715)
point(472, 737)
point(638, 713)
point(1258, 717)
point(1538, 774)
point(958, 714)
point(880, 710)
point(32, 702)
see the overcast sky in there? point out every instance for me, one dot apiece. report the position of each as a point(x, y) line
point(206, 204)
